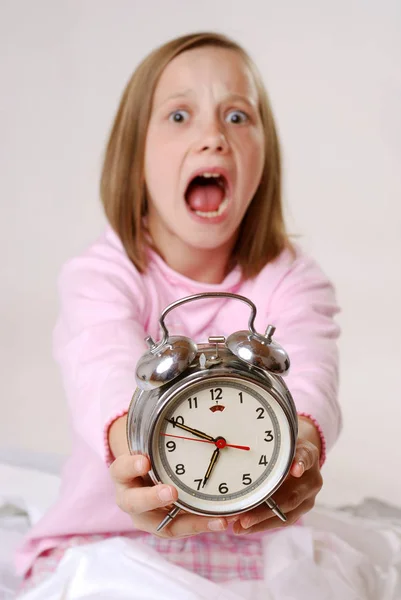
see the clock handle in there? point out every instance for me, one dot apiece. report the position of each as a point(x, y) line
point(167, 359)
point(155, 348)
point(168, 518)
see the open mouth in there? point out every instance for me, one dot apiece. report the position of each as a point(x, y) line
point(206, 194)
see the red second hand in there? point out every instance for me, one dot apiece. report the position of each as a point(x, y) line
point(181, 437)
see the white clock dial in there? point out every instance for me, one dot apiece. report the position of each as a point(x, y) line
point(224, 444)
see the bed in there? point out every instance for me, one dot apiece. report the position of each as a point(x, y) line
point(368, 533)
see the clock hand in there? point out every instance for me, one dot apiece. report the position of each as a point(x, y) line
point(194, 431)
point(212, 463)
point(181, 437)
point(238, 447)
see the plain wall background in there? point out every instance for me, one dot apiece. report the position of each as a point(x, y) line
point(333, 71)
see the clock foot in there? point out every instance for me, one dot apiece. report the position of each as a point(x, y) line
point(168, 518)
point(275, 509)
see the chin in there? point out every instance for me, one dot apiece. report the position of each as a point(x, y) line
point(209, 241)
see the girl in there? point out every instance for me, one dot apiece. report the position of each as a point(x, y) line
point(191, 187)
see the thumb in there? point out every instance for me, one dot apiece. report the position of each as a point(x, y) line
point(306, 456)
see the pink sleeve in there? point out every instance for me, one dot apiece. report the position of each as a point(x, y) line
point(302, 309)
point(97, 342)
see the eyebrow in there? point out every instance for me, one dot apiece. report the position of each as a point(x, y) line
point(242, 99)
point(183, 94)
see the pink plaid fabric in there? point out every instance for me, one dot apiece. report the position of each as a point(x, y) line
point(217, 557)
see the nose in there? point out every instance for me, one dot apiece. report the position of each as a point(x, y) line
point(212, 139)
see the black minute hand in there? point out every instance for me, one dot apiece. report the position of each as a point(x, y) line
point(196, 432)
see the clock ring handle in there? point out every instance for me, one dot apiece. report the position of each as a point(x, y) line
point(201, 296)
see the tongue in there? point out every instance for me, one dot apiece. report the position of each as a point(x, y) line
point(206, 198)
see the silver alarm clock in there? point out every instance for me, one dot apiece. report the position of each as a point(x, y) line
point(215, 419)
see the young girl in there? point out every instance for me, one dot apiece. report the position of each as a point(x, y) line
point(191, 186)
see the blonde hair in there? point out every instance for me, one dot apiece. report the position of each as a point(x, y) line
point(262, 235)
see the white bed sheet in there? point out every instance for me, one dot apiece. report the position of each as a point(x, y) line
point(25, 495)
point(369, 534)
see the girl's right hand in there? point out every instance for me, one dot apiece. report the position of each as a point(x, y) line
point(148, 504)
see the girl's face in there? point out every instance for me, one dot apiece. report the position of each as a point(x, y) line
point(204, 151)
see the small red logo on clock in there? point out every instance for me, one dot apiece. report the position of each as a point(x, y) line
point(219, 407)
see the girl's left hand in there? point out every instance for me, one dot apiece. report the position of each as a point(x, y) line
point(297, 494)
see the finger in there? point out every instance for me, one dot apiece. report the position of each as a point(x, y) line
point(136, 500)
point(127, 468)
point(290, 495)
point(275, 522)
point(306, 456)
point(264, 513)
point(183, 525)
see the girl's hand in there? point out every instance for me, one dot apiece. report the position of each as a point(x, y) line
point(148, 504)
point(297, 494)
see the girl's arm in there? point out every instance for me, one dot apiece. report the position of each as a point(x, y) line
point(97, 341)
point(303, 307)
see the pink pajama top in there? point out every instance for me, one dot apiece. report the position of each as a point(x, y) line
point(108, 308)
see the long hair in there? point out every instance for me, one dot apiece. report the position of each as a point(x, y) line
point(262, 235)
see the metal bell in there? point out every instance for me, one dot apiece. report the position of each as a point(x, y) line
point(165, 361)
point(259, 351)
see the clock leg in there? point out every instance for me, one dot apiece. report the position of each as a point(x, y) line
point(168, 518)
point(274, 508)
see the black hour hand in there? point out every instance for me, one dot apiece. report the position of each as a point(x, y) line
point(196, 432)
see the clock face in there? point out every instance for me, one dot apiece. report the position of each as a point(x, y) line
point(225, 444)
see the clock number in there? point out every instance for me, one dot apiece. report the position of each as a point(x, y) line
point(240, 398)
point(261, 411)
point(199, 482)
point(223, 489)
point(246, 479)
point(171, 446)
point(263, 460)
point(217, 394)
point(175, 420)
point(180, 469)
point(193, 402)
point(269, 436)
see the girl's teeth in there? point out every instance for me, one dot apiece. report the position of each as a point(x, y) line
point(215, 213)
point(208, 175)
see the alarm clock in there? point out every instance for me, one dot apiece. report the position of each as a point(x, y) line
point(215, 418)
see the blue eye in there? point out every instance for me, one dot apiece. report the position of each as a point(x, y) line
point(179, 116)
point(237, 117)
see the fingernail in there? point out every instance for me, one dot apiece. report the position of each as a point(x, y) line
point(240, 531)
point(165, 494)
point(140, 463)
point(216, 525)
point(247, 523)
point(302, 466)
